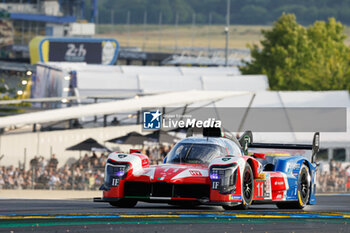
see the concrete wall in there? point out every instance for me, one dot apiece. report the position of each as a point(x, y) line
point(49, 194)
point(15, 146)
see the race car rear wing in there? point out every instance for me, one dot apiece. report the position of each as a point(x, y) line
point(246, 141)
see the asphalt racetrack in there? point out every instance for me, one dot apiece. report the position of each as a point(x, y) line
point(331, 214)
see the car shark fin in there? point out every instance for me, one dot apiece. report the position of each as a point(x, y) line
point(245, 140)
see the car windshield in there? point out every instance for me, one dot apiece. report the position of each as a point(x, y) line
point(195, 153)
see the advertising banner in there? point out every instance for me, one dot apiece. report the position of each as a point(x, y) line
point(90, 50)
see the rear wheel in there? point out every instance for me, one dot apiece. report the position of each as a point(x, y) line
point(303, 191)
point(247, 189)
point(124, 203)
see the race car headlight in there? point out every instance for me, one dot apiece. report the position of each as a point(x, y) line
point(214, 174)
point(119, 171)
point(114, 172)
point(223, 178)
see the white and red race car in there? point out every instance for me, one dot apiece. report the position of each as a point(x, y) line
point(215, 170)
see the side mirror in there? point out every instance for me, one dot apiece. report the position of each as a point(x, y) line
point(259, 155)
point(134, 151)
point(317, 166)
point(315, 146)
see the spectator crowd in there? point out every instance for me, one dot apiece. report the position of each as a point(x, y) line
point(86, 173)
point(334, 179)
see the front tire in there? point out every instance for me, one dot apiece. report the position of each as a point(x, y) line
point(123, 203)
point(247, 190)
point(304, 184)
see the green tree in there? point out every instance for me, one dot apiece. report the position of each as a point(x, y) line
point(298, 58)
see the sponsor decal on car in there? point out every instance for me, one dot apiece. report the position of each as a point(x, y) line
point(261, 176)
point(195, 173)
point(279, 182)
point(115, 182)
point(122, 156)
point(268, 186)
point(296, 169)
point(215, 185)
point(235, 197)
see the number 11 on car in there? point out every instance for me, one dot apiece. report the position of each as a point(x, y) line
point(259, 189)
